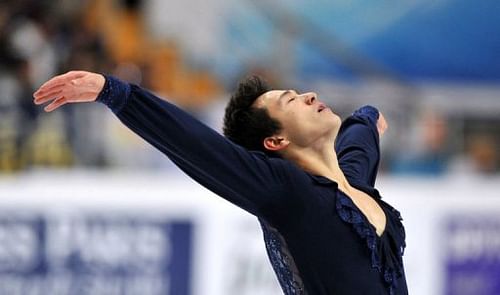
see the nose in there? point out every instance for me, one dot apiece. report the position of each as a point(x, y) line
point(310, 97)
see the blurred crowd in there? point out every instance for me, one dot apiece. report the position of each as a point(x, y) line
point(440, 144)
point(39, 39)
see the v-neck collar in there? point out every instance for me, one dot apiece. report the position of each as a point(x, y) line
point(324, 181)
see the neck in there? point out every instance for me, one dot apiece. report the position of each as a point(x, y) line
point(320, 161)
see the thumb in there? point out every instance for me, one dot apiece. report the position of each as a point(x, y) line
point(56, 104)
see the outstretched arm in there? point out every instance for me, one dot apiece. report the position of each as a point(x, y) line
point(250, 180)
point(357, 145)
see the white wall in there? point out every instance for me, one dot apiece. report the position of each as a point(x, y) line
point(228, 251)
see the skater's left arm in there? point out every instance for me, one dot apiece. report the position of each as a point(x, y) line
point(357, 145)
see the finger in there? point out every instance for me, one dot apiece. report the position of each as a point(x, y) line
point(54, 82)
point(58, 81)
point(43, 98)
point(62, 79)
point(67, 76)
point(48, 88)
point(41, 93)
point(56, 104)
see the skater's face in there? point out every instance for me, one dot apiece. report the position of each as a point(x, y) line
point(303, 117)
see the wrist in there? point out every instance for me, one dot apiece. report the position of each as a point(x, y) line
point(114, 93)
point(100, 81)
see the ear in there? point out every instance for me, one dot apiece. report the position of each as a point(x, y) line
point(275, 143)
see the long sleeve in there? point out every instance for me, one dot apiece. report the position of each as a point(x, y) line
point(250, 180)
point(357, 146)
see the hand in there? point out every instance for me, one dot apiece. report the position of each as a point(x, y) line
point(381, 124)
point(74, 86)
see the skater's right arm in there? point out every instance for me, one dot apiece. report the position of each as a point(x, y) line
point(250, 180)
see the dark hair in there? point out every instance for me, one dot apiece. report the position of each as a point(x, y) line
point(246, 124)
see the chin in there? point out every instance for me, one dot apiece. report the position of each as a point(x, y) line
point(336, 120)
point(335, 124)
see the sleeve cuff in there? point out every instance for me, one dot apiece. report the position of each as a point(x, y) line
point(369, 112)
point(114, 94)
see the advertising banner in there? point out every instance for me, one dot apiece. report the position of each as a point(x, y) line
point(94, 254)
point(472, 256)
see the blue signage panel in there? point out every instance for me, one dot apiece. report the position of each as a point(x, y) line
point(472, 256)
point(94, 254)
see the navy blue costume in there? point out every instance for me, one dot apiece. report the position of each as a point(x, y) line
point(317, 240)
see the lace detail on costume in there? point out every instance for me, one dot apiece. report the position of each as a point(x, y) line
point(386, 256)
point(282, 261)
point(394, 250)
point(350, 214)
point(401, 235)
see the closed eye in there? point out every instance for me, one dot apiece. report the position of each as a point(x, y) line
point(291, 99)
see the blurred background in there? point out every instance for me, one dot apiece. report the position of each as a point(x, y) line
point(86, 207)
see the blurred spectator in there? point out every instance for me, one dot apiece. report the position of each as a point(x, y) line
point(482, 156)
point(429, 154)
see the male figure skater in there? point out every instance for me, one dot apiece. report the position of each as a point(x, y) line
point(288, 160)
